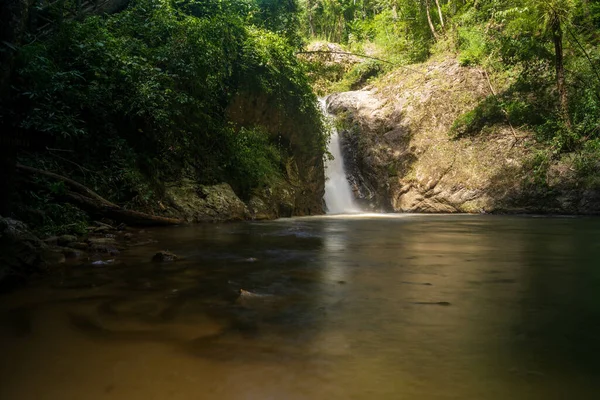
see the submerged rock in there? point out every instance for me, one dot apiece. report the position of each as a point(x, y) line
point(103, 245)
point(163, 256)
point(79, 245)
point(66, 240)
point(100, 263)
point(71, 253)
point(51, 241)
point(432, 303)
point(261, 302)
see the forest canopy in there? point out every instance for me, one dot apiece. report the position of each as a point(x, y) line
point(543, 56)
point(141, 96)
point(126, 101)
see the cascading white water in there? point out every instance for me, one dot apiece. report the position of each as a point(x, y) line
point(338, 194)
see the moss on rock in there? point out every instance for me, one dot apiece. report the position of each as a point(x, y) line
point(202, 203)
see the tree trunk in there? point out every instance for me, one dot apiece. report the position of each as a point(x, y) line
point(343, 52)
point(78, 187)
point(310, 18)
point(130, 217)
point(433, 31)
point(93, 203)
point(437, 3)
point(557, 37)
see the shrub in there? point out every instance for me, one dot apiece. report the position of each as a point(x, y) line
point(141, 96)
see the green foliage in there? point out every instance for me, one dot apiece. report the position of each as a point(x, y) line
point(324, 75)
point(538, 164)
point(359, 75)
point(327, 19)
point(518, 37)
point(144, 96)
point(57, 188)
point(255, 161)
point(52, 90)
point(280, 17)
point(60, 219)
point(40, 209)
point(587, 162)
point(404, 40)
point(397, 27)
point(141, 97)
point(488, 112)
point(472, 45)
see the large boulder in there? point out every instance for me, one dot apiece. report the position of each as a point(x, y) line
point(202, 203)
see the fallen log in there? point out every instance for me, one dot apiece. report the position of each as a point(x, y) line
point(129, 217)
point(76, 186)
point(93, 203)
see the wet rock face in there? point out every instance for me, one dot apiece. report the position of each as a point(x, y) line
point(277, 201)
point(359, 112)
point(397, 144)
point(370, 194)
point(200, 203)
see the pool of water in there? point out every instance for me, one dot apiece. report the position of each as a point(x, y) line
point(362, 307)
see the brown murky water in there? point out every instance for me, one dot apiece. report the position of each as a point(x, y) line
point(398, 307)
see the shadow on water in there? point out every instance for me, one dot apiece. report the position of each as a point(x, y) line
point(559, 320)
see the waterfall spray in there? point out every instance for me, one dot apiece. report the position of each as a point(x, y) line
point(338, 194)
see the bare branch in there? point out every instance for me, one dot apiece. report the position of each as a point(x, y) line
point(358, 55)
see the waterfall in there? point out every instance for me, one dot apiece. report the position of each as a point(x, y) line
point(338, 194)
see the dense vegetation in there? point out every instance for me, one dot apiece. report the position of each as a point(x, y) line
point(125, 102)
point(542, 59)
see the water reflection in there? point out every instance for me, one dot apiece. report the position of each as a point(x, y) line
point(365, 307)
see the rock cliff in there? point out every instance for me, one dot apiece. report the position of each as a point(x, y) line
point(302, 189)
point(401, 156)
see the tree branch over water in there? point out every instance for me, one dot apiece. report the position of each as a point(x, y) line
point(89, 200)
point(357, 55)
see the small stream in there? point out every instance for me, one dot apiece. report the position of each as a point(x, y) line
point(356, 307)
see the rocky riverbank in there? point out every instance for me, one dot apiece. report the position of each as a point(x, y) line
point(24, 255)
point(401, 154)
